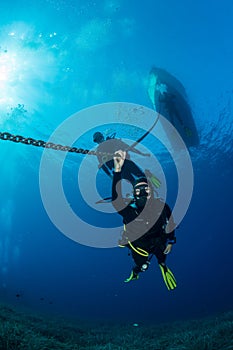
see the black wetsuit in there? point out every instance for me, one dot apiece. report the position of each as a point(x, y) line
point(145, 228)
point(130, 170)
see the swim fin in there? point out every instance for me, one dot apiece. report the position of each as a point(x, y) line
point(104, 200)
point(153, 179)
point(109, 200)
point(133, 276)
point(168, 277)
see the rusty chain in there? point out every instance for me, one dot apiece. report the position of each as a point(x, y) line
point(6, 136)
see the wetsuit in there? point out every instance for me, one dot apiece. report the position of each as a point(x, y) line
point(144, 227)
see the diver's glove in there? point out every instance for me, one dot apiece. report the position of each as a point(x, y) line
point(168, 277)
point(133, 276)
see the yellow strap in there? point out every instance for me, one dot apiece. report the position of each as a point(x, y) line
point(138, 250)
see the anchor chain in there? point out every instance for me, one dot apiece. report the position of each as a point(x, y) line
point(6, 136)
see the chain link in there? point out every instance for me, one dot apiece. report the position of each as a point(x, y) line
point(6, 136)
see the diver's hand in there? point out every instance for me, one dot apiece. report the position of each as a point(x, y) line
point(146, 154)
point(119, 160)
point(168, 249)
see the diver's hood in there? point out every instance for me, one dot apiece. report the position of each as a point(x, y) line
point(141, 193)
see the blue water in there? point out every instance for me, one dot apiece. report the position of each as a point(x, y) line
point(58, 57)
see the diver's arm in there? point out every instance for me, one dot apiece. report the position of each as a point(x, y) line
point(171, 239)
point(127, 148)
point(134, 150)
point(117, 199)
point(116, 187)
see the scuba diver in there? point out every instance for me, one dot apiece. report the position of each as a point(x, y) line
point(148, 224)
point(130, 171)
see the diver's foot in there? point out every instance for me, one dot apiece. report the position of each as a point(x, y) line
point(133, 276)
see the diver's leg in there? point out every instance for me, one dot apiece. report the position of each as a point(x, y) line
point(140, 266)
point(141, 263)
point(161, 257)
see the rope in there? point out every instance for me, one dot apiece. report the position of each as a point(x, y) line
point(148, 131)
